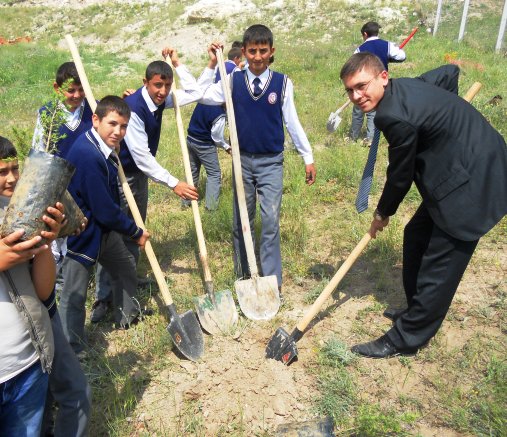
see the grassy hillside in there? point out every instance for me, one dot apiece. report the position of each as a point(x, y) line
point(459, 386)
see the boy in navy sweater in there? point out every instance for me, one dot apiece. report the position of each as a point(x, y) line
point(94, 187)
point(205, 134)
point(387, 52)
point(263, 103)
point(139, 149)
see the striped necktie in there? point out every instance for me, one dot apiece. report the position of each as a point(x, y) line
point(257, 89)
point(366, 180)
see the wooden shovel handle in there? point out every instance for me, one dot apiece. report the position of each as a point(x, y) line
point(157, 271)
point(342, 107)
point(333, 283)
point(472, 91)
point(236, 162)
point(203, 253)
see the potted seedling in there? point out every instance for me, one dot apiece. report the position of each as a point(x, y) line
point(44, 179)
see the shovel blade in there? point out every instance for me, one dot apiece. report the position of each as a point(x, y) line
point(219, 318)
point(333, 121)
point(258, 297)
point(282, 347)
point(186, 334)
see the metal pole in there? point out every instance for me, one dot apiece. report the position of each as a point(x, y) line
point(463, 20)
point(437, 18)
point(502, 28)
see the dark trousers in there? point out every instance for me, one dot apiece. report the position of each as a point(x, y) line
point(433, 265)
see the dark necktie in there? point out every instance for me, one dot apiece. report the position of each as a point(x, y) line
point(366, 180)
point(257, 88)
point(158, 113)
point(114, 157)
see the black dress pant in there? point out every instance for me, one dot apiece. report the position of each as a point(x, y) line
point(433, 265)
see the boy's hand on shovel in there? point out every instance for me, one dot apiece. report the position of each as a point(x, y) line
point(173, 56)
point(185, 191)
point(212, 50)
point(141, 241)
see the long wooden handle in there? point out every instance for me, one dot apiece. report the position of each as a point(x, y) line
point(472, 91)
point(333, 283)
point(414, 30)
point(203, 253)
point(238, 173)
point(157, 271)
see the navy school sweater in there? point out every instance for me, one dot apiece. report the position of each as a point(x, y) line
point(71, 135)
point(94, 187)
point(378, 47)
point(152, 126)
point(259, 120)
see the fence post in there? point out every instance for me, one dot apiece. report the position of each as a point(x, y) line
point(437, 18)
point(502, 28)
point(463, 20)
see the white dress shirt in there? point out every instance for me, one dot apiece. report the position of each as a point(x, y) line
point(214, 95)
point(137, 139)
point(72, 122)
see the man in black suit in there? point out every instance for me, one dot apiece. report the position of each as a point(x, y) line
point(459, 165)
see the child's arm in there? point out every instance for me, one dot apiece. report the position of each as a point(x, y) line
point(297, 133)
point(13, 252)
point(43, 267)
point(191, 91)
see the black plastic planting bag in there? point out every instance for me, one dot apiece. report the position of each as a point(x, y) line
point(44, 179)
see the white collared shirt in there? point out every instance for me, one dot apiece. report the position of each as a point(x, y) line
point(137, 139)
point(72, 122)
point(214, 95)
point(104, 148)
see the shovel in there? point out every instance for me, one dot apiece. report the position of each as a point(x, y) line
point(258, 296)
point(282, 346)
point(334, 119)
point(184, 330)
point(216, 311)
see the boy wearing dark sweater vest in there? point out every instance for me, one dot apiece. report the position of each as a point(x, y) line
point(204, 135)
point(139, 148)
point(263, 103)
point(94, 187)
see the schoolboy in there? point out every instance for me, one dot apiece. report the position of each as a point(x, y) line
point(204, 134)
point(263, 102)
point(77, 110)
point(387, 52)
point(27, 275)
point(94, 187)
point(139, 148)
point(67, 382)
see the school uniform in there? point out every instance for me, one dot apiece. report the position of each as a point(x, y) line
point(387, 52)
point(204, 134)
point(259, 120)
point(139, 149)
point(94, 187)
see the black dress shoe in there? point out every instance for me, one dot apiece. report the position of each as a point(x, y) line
point(393, 314)
point(380, 348)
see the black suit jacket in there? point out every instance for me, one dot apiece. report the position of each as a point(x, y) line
point(443, 144)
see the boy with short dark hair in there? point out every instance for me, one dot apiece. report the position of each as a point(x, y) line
point(27, 275)
point(94, 187)
point(67, 382)
point(263, 103)
point(387, 52)
point(139, 148)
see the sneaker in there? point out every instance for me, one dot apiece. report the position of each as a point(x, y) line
point(99, 311)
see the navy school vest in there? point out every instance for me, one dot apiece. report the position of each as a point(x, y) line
point(71, 135)
point(259, 120)
point(378, 47)
point(152, 127)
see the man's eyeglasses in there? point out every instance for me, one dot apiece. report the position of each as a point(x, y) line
point(361, 88)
